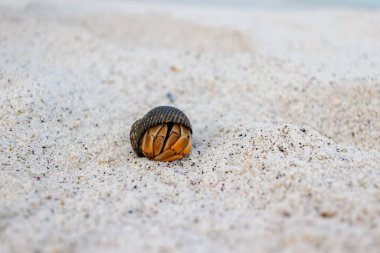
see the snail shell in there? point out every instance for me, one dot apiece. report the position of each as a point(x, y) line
point(163, 134)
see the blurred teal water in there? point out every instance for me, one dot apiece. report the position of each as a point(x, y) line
point(280, 3)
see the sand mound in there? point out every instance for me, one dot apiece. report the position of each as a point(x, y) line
point(347, 111)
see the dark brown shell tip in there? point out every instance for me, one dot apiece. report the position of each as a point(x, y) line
point(156, 116)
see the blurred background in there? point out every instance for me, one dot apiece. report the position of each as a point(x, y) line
point(277, 3)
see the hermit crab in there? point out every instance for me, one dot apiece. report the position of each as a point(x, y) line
point(163, 134)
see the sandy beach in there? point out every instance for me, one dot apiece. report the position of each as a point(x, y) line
point(285, 110)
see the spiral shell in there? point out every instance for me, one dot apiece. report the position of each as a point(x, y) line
point(163, 134)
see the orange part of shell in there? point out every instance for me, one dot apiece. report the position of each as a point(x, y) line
point(173, 137)
point(187, 149)
point(160, 145)
point(180, 145)
point(160, 140)
point(147, 145)
point(165, 155)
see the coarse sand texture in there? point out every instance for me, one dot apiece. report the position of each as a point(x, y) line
point(284, 107)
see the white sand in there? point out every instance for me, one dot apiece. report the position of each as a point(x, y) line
point(285, 107)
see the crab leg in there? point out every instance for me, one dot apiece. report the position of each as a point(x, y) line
point(181, 146)
point(173, 137)
point(187, 149)
point(159, 140)
point(147, 144)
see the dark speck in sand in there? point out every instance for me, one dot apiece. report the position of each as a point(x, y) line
point(170, 96)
